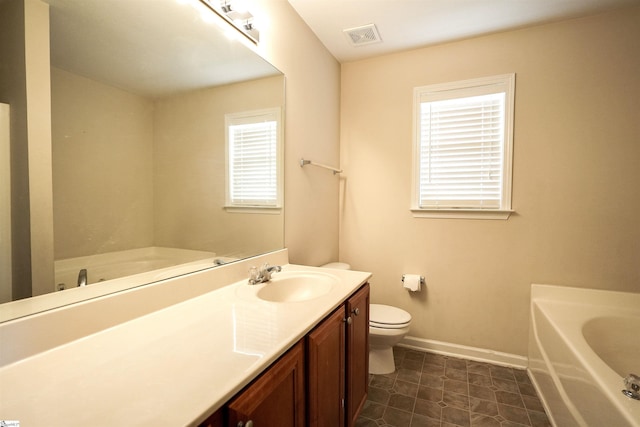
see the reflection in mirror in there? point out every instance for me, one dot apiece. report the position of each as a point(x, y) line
point(139, 93)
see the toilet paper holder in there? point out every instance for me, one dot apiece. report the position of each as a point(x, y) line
point(422, 283)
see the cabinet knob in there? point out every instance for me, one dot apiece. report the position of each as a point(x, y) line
point(347, 320)
point(247, 424)
point(356, 311)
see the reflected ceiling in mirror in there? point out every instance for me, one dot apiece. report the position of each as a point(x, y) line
point(151, 48)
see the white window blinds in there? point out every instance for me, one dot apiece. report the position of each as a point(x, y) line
point(252, 164)
point(463, 155)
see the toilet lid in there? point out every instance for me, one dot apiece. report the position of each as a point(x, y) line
point(338, 265)
point(386, 316)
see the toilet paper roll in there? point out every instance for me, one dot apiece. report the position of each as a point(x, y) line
point(412, 282)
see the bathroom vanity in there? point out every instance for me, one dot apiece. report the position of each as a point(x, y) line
point(229, 353)
point(334, 372)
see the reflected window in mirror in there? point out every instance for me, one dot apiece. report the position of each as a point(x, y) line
point(254, 165)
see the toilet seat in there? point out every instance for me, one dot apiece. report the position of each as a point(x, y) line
point(388, 317)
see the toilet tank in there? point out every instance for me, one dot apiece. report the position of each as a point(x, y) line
point(337, 266)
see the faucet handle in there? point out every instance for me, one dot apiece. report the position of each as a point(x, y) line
point(266, 271)
point(262, 274)
point(632, 384)
point(254, 275)
point(632, 381)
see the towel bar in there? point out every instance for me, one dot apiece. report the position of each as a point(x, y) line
point(320, 165)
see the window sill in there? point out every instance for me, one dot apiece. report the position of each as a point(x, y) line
point(462, 213)
point(267, 210)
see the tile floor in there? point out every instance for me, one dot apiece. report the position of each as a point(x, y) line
point(434, 390)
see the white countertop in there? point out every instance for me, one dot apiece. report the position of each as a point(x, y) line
point(172, 367)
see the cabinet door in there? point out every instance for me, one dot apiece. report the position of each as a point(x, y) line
point(325, 370)
point(214, 420)
point(276, 398)
point(357, 353)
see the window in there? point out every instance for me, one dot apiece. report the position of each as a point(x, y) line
point(254, 166)
point(462, 150)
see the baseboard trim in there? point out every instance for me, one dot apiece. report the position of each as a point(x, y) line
point(466, 352)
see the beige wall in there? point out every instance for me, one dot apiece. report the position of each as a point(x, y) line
point(25, 86)
point(6, 288)
point(189, 172)
point(311, 131)
point(103, 167)
point(39, 136)
point(13, 92)
point(577, 146)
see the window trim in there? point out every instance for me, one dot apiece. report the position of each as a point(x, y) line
point(233, 118)
point(505, 209)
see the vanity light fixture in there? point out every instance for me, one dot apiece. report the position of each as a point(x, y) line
point(226, 7)
point(232, 12)
point(251, 30)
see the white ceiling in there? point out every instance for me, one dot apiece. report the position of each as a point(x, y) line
point(408, 24)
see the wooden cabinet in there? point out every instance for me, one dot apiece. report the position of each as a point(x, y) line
point(337, 364)
point(326, 371)
point(276, 398)
point(214, 420)
point(357, 374)
point(320, 382)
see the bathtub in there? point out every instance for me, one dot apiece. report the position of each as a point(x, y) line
point(143, 265)
point(582, 343)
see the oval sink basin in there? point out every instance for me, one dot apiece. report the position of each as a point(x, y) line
point(296, 286)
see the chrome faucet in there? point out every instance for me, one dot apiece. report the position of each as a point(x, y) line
point(632, 384)
point(262, 274)
point(82, 277)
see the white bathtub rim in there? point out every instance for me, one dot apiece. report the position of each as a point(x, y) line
point(575, 413)
point(136, 254)
point(603, 376)
point(110, 265)
point(599, 304)
point(596, 297)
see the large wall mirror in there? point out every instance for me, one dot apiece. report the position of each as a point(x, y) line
point(139, 94)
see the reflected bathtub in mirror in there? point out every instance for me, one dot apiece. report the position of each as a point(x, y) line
point(143, 265)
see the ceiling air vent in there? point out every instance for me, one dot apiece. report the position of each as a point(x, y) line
point(365, 34)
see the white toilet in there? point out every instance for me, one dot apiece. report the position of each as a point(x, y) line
point(387, 326)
